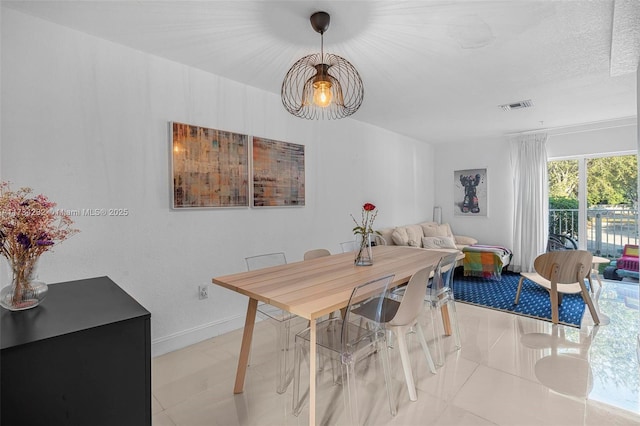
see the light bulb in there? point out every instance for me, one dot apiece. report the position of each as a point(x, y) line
point(322, 95)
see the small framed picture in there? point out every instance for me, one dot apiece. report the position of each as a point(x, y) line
point(470, 192)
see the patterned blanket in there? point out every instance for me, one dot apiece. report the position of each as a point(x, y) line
point(485, 261)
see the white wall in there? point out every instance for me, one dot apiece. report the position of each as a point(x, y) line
point(84, 121)
point(497, 227)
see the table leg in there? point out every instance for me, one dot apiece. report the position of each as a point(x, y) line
point(446, 320)
point(596, 272)
point(598, 278)
point(245, 348)
point(312, 372)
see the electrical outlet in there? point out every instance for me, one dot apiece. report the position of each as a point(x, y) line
point(203, 291)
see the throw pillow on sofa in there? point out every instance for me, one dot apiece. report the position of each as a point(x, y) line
point(410, 235)
point(432, 229)
point(438, 242)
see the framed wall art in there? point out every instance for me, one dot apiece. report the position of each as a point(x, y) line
point(278, 173)
point(470, 192)
point(210, 168)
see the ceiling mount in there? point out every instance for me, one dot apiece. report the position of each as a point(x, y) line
point(322, 85)
point(320, 22)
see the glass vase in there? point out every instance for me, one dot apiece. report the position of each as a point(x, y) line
point(364, 254)
point(24, 290)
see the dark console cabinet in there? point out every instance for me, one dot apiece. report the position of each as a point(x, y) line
point(83, 357)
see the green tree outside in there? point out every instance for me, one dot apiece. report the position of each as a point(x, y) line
point(563, 180)
point(610, 181)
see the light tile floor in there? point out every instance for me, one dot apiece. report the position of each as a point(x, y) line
point(511, 370)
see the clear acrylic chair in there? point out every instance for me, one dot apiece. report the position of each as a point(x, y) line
point(347, 341)
point(378, 240)
point(349, 246)
point(401, 315)
point(281, 319)
point(439, 298)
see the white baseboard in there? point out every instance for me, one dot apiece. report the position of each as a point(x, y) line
point(194, 335)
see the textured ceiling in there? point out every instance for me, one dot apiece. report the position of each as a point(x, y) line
point(625, 43)
point(433, 70)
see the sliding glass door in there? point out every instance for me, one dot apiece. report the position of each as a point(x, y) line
point(593, 200)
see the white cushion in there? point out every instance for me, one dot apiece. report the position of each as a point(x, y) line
point(410, 235)
point(386, 234)
point(438, 242)
point(400, 237)
point(432, 229)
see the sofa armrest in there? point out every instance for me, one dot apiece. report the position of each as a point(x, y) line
point(467, 241)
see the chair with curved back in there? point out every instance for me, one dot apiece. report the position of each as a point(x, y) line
point(440, 302)
point(401, 313)
point(349, 246)
point(561, 272)
point(315, 253)
point(378, 240)
point(439, 296)
point(346, 341)
point(280, 318)
point(404, 317)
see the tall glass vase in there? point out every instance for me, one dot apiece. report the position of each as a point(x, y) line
point(24, 290)
point(364, 254)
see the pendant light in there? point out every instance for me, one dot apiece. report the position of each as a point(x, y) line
point(322, 85)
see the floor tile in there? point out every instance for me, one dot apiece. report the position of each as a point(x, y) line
point(511, 370)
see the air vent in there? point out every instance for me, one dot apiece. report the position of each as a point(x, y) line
point(517, 105)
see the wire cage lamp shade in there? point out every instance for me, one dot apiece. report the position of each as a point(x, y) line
point(322, 85)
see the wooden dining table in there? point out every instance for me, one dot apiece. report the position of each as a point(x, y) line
point(314, 288)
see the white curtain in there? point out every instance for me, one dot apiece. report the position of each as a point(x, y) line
point(531, 210)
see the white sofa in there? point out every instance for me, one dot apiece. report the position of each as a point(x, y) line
point(429, 235)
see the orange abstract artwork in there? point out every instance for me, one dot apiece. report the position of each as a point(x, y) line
point(278, 173)
point(210, 167)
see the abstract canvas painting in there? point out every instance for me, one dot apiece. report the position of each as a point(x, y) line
point(210, 168)
point(278, 173)
point(470, 192)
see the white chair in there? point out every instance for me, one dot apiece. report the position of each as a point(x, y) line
point(315, 253)
point(346, 341)
point(439, 297)
point(562, 272)
point(440, 303)
point(402, 316)
point(280, 318)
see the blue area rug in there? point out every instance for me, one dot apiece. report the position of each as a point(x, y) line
point(534, 300)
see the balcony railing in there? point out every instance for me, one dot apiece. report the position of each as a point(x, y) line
point(608, 228)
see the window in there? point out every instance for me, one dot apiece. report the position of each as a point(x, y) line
point(594, 200)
